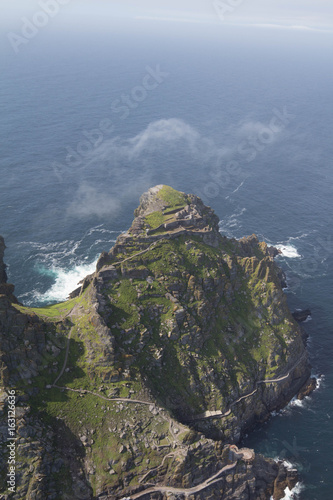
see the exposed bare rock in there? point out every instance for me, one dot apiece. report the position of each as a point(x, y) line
point(308, 388)
point(301, 316)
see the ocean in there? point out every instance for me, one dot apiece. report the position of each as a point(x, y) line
point(240, 116)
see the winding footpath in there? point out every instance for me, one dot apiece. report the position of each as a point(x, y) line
point(86, 391)
point(215, 478)
point(166, 235)
point(65, 360)
point(136, 254)
point(201, 416)
point(219, 414)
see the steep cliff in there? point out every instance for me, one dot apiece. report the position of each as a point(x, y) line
point(179, 342)
point(3, 275)
point(203, 318)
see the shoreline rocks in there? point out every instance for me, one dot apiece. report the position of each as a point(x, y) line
point(308, 388)
point(302, 315)
point(3, 274)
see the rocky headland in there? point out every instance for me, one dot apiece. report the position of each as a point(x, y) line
point(142, 384)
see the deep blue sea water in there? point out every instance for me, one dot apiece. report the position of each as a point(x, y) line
point(239, 116)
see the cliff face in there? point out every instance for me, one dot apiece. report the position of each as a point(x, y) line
point(180, 330)
point(6, 289)
point(3, 275)
point(22, 337)
point(202, 318)
point(29, 348)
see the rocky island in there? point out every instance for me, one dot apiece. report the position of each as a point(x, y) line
point(142, 384)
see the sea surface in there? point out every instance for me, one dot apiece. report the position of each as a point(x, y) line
point(241, 117)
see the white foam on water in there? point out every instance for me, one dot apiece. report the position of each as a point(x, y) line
point(295, 402)
point(288, 250)
point(55, 252)
point(304, 235)
point(235, 191)
point(277, 413)
point(294, 493)
point(320, 380)
point(100, 229)
point(289, 465)
point(227, 225)
point(66, 280)
point(46, 252)
point(65, 263)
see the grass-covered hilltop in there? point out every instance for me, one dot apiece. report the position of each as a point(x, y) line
point(143, 382)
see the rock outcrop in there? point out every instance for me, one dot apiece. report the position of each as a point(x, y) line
point(302, 315)
point(180, 342)
point(6, 289)
point(3, 275)
point(22, 336)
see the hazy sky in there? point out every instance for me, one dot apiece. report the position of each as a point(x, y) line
point(311, 13)
point(296, 14)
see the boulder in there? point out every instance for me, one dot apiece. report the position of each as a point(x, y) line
point(307, 388)
point(302, 315)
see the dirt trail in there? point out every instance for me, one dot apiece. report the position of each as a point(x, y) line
point(219, 414)
point(186, 491)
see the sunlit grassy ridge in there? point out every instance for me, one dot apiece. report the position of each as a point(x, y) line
point(172, 197)
point(52, 311)
point(174, 200)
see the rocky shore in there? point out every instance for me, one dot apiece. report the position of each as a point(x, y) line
point(181, 341)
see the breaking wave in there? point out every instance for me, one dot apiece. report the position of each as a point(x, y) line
point(289, 251)
point(294, 493)
point(66, 280)
point(60, 265)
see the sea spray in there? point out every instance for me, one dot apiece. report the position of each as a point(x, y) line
point(289, 251)
point(294, 493)
point(66, 280)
